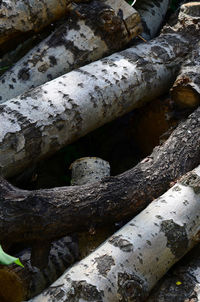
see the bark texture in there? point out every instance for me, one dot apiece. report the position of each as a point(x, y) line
point(48, 214)
point(44, 119)
point(130, 262)
point(30, 280)
point(152, 13)
point(92, 30)
point(18, 16)
point(186, 89)
point(182, 283)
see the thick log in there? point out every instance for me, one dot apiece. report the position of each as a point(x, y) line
point(20, 16)
point(129, 263)
point(91, 31)
point(48, 214)
point(17, 283)
point(152, 13)
point(182, 283)
point(44, 119)
point(186, 89)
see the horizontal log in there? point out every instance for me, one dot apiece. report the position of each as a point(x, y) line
point(20, 16)
point(92, 30)
point(130, 262)
point(186, 89)
point(48, 214)
point(43, 120)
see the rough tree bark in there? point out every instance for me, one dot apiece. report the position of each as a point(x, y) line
point(20, 16)
point(186, 89)
point(130, 262)
point(91, 31)
point(152, 13)
point(69, 209)
point(182, 283)
point(17, 283)
point(44, 119)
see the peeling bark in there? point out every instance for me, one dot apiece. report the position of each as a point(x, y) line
point(32, 216)
point(129, 263)
point(33, 280)
point(152, 13)
point(182, 283)
point(91, 31)
point(44, 119)
point(186, 89)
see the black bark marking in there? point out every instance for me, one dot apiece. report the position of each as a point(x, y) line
point(104, 264)
point(192, 180)
point(84, 291)
point(131, 287)
point(23, 74)
point(177, 240)
point(121, 243)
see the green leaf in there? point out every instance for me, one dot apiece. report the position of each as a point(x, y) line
point(4, 68)
point(6, 259)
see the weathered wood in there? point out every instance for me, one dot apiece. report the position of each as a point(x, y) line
point(52, 213)
point(186, 89)
point(129, 263)
point(182, 283)
point(91, 31)
point(44, 119)
point(24, 283)
point(152, 13)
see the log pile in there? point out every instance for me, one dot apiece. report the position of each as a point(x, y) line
point(80, 90)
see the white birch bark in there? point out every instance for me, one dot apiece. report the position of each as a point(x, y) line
point(57, 113)
point(182, 283)
point(18, 16)
point(152, 13)
point(186, 89)
point(129, 263)
point(98, 32)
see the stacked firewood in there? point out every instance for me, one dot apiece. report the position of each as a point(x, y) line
point(101, 60)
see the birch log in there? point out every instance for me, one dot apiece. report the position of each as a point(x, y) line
point(186, 89)
point(44, 119)
point(44, 215)
point(18, 16)
point(152, 13)
point(17, 283)
point(129, 263)
point(182, 283)
point(91, 31)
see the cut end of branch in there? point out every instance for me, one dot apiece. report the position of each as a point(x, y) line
point(11, 287)
point(185, 96)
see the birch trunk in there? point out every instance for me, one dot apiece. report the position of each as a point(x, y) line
point(182, 283)
point(129, 263)
point(152, 13)
point(186, 89)
point(17, 283)
point(75, 208)
point(92, 31)
point(41, 121)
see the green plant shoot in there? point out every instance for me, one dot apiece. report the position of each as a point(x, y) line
point(6, 259)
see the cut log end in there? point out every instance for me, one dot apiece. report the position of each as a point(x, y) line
point(185, 96)
point(11, 287)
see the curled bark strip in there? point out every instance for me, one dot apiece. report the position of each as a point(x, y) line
point(131, 261)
